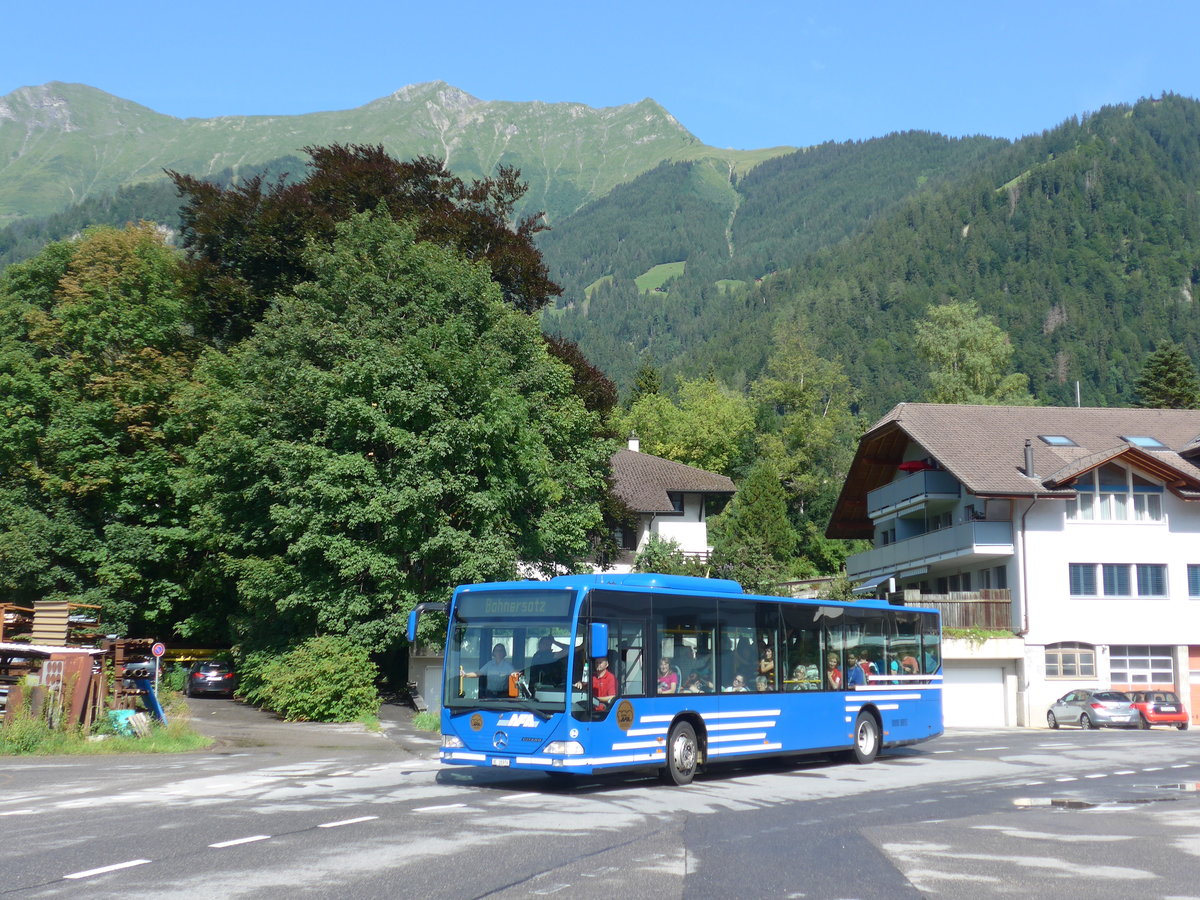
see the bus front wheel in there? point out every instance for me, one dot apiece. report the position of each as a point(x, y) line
point(683, 755)
point(866, 739)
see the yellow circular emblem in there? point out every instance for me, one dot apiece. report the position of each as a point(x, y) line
point(624, 715)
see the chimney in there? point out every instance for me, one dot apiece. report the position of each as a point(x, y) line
point(634, 443)
point(1029, 458)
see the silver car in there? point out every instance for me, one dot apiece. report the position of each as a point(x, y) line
point(1093, 709)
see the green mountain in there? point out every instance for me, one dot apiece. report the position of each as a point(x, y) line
point(728, 232)
point(1082, 242)
point(65, 143)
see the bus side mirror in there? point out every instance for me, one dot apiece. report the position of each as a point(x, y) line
point(599, 639)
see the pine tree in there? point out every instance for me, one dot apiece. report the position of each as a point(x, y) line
point(1168, 380)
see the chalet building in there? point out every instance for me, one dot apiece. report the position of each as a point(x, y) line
point(671, 500)
point(1077, 530)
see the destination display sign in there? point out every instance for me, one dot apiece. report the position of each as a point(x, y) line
point(514, 604)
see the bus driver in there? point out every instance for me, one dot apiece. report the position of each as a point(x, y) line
point(604, 683)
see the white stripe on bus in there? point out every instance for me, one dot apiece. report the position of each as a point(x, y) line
point(728, 738)
point(749, 748)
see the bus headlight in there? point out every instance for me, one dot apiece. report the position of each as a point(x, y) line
point(565, 748)
point(451, 741)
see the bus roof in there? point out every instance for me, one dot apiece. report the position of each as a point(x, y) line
point(658, 581)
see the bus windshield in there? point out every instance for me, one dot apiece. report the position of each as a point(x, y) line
point(509, 650)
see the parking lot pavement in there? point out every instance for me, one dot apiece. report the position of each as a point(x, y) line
point(235, 724)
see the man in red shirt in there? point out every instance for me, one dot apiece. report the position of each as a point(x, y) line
point(604, 683)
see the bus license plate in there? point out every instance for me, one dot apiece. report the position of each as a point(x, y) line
point(501, 762)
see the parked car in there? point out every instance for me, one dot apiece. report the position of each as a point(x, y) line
point(1093, 709)
point(1159, 708)
point(210, 676)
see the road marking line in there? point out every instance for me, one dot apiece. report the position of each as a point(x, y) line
point(17, 812)
point(944, 751)
point(1181, 766)
point(981, 749)
point(1068, 778)
point(347, 822)
point(1124, 772)
point(443, 806)
point(1033, 783)
point(245, 840)
point(100, 871)
point(521, 796)
point(1153, 769)
point(1099, 775)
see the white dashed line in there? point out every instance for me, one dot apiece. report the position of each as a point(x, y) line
point(443, 806)
point(246, 840)
point(982, 749)
point(1068, 778)
point(1181, 766)
point(17, 812)
point(524, 796)
point(113, 868)
point(1098, 775)
point(1124, 772)
point(1033, 783)
point(347, 822)
point(1153, 768)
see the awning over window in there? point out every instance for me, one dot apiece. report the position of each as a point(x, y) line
point(868, 586)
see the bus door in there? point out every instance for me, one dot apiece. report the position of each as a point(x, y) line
point(625, 616)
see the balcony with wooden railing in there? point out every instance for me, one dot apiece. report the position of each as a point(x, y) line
point(987, 609)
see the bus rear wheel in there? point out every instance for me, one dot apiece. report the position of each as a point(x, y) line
point(866, 739)
point(683, 755)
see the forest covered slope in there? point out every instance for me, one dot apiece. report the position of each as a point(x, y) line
point(1081, 242)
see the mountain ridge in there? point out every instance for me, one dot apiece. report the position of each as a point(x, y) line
point(62, 142)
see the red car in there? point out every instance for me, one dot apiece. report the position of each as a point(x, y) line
point(1160, 708)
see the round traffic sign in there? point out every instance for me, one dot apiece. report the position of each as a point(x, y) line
point(158, 649)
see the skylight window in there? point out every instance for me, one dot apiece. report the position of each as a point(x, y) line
point(1057, 440)
point(1146, 443)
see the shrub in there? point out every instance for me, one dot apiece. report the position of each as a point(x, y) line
point(325, 679)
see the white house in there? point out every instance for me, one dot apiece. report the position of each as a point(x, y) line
point(669, 499)
point(1076, 529)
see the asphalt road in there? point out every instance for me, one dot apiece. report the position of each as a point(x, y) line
point(293, 811)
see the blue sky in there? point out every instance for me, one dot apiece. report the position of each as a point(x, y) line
point(746, 74)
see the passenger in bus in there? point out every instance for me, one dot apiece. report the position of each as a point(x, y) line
point(833, 675)
point(694, 684)
point(766, 664)
point(761, 683)
point(494, 673)
point(855, 674)
point(668, 680)
point(744, 657)
point(909, 665)
point(604, 684)
point(739, 685)
point(549, 666)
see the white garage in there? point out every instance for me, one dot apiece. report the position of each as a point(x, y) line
point(975, 695)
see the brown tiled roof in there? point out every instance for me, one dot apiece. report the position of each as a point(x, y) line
point(641, 481)
point(984, 448)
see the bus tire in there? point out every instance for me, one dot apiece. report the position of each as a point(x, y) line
point(866, 739)
point(683, 755)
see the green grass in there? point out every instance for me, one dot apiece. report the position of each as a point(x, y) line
point(658, 276)
point(32, 737)
point(603, 279)
point(427, 721)
point(728, 285)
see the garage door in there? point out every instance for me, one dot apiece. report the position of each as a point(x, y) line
point(973, 695)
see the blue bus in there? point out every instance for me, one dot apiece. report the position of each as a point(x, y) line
point(599, 673)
